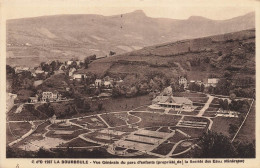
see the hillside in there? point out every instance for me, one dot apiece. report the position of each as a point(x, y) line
point(66, 36)
point(197, 58)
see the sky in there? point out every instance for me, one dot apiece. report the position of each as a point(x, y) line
point(175, 9)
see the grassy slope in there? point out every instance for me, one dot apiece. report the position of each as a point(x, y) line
point(247, 132)
point(173, 59)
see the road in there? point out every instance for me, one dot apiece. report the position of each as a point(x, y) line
point(206, 106)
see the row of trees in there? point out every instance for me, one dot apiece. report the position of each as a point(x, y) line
point(214, 145)
point(196, 87)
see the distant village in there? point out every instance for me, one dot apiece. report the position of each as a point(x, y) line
point(105, 85)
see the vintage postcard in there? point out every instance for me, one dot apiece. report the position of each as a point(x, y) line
point(129, 83)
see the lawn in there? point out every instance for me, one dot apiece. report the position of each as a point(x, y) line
point(152, 128)
point(196, 119)
point(165, 129)
point(122, 104)
point(193, 132)
point(221, 124)
point(154, 119)
point(78, 142)
point(195, 112)
point(199, 99)
point(177, 137)
point(179, 149)
point(17, 130)
point(9, 136)
point(125, 129)
point(132, 119)
point(97, 137)
point(28, 113)
point(209, 114)
point(163, 148)
point(247, 132)
point(87, 122)
point(190, 94)
point(66, 136)
point(41, 128)
point(113, 120)
point(59, 126)
point(212, 109)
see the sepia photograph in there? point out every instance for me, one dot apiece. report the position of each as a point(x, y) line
point(136, 79)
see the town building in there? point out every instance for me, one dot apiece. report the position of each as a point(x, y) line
point(98, 82)
point(51, 96)
point(53, 119)
point(108, 84)
point(183, 81)
point(34, 99)
point(69, 62)
point(71, 71)
point(77, 76)
point(175, 103)
point(213, 82)
point(19, 69)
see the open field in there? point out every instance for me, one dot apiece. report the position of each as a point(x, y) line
point(89, 122)
point(78, 142)
point(247, 132)
point(163, 148)
point(63, 126)
point(65, 135)
point(113, 120)
point(193, 132)
point(198, 99)
point(123, 104)
point(28, 113)
point(154, 119)
point(180, 148)
point(221, 124)
point(16, 130)
point(191, 95)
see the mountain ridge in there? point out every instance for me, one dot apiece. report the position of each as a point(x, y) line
point(68, 36)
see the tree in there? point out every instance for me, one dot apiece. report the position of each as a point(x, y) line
point(111, 53)
point(53, 65)
point(246, 150)
point(86, 106)
point(10, 70)
point(214, 145)
point(115, 92)
point(202, 87)
point(100, 106)
point(79, 101)
point(181, 88)
point(232, 96)
point(232, 129)
point(43, 153)
point(86, 62)
point(225, 104)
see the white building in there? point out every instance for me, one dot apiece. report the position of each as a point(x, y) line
point(51, 96)
point(98, 82)
point(34, 99)
point(69, 62)
point(175, 103)
point(213, 82)
point(21, 69)
point(108, 84)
